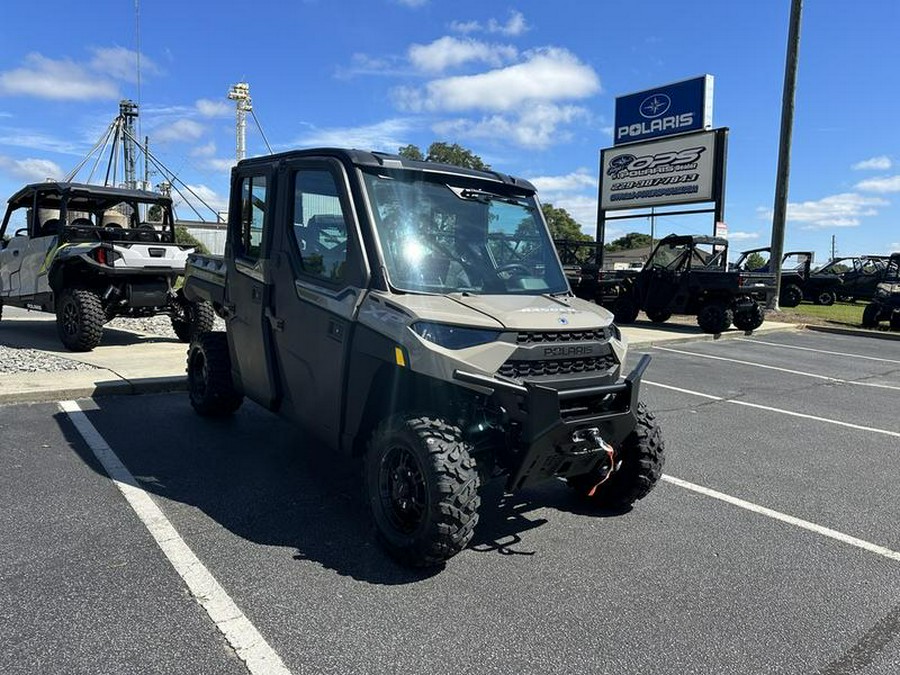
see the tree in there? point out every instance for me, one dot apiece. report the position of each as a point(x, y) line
point(562, 225)
point(445, 153)
point(630, 241)
point(411, 152)
point(754, 261)
point(155, 213)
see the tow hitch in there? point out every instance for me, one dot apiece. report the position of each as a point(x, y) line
point(588, 441)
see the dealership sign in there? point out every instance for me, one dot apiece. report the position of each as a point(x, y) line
point(671, 109)
point(678, 170)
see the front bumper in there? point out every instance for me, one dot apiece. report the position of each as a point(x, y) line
point(557, 425)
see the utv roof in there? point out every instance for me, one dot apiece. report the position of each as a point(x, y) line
point(25, 196)
point(693, 238)
point(768, 249)
point(364, 158)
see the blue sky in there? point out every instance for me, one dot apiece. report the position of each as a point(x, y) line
point(530, 86)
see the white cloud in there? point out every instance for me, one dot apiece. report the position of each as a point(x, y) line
point(742, 236)
point(842, 210)
point(578, 180)
point(549, 74)
point(209, 108)
point(219, 164)
point(180, 130)
point(52, 79)
point(581, 207)
point(121, 64)
point(447, 52)
point(537, 126)
point(412, 3)
point(881, 185)
point(880, 163)
point(206, 150)
point(33, 140)
point(894, 247)
point(515, 25)
point(388, 135)
point(31, 170)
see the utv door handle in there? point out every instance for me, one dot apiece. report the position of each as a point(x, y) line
point(276, 323)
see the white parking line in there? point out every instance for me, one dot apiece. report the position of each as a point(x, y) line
point(242, 635)
point(818, 351)
point(785, 518)
point(835, 380)
point(781, 411)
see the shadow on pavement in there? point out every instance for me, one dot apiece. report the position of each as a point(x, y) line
point(258, 477)
point(38, 334)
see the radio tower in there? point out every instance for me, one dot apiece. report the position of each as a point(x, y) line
point(240, 94)
point(128, 112)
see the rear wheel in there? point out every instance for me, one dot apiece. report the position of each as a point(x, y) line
point(658, 315)
point(642, 457)
point(210, 385)
point(191, 318)
point(871, 315)
point(423, 489)
point(825, 298)
point(79, 319)
point(625, 310)
point(791, 296)
point(749, 319)
point(714, 318)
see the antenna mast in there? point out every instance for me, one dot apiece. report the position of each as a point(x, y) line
point(240, 94)
point(128, 112)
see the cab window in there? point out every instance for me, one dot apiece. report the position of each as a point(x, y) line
point(319, 225)
point(253, 216)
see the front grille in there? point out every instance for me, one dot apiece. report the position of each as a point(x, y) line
point(556, 367)
point(562, 336)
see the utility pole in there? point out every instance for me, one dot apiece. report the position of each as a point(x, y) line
point(833, 248)
point(784, 147)
point(240, 94)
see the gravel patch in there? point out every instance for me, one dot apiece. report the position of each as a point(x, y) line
point(17, 360)
point(154, 325)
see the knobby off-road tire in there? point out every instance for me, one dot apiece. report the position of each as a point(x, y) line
point(714, 318)
point(79, 319)
point(422, 489)
point(658, 315)
point(625, 310)
point(826, 298)
point(193, 318)
point(210, 385)
point(871, 315)
point(791, 296)
point(749, 319)
point(642, 455)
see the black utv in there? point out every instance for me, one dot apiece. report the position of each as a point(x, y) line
point(415, 316)
point(859, 275)
point(885, 306)
point(798, 281)
point(687, 274)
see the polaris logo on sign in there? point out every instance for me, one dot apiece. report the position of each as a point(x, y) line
point(672, 109)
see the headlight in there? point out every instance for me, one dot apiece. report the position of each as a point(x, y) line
point(453, 337)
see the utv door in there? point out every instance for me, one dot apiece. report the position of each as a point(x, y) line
point(13, 253)
point(319, 275)
point(249, 286)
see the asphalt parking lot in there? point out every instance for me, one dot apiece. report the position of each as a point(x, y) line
point(772, 545)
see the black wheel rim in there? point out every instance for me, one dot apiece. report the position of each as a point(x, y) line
point(70, 319)
point(198, 375)
point(402, 490)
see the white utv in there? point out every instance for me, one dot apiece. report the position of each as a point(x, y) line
point(415, 316)
point(89, 254)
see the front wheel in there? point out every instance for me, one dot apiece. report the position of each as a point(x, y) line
point(749, 319)
point(658, 315)
point(714, 318)
point(826, 298)
point(791, 296)
point(422, 488)
point(191, 318)
point(871, 315)
point(210, 384)
point(79, 319)
point(625, 309)
point(642, 457)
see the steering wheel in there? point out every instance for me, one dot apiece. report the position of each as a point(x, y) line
point(513, 269)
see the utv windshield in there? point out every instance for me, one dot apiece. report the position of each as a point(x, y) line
point(441, 236)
